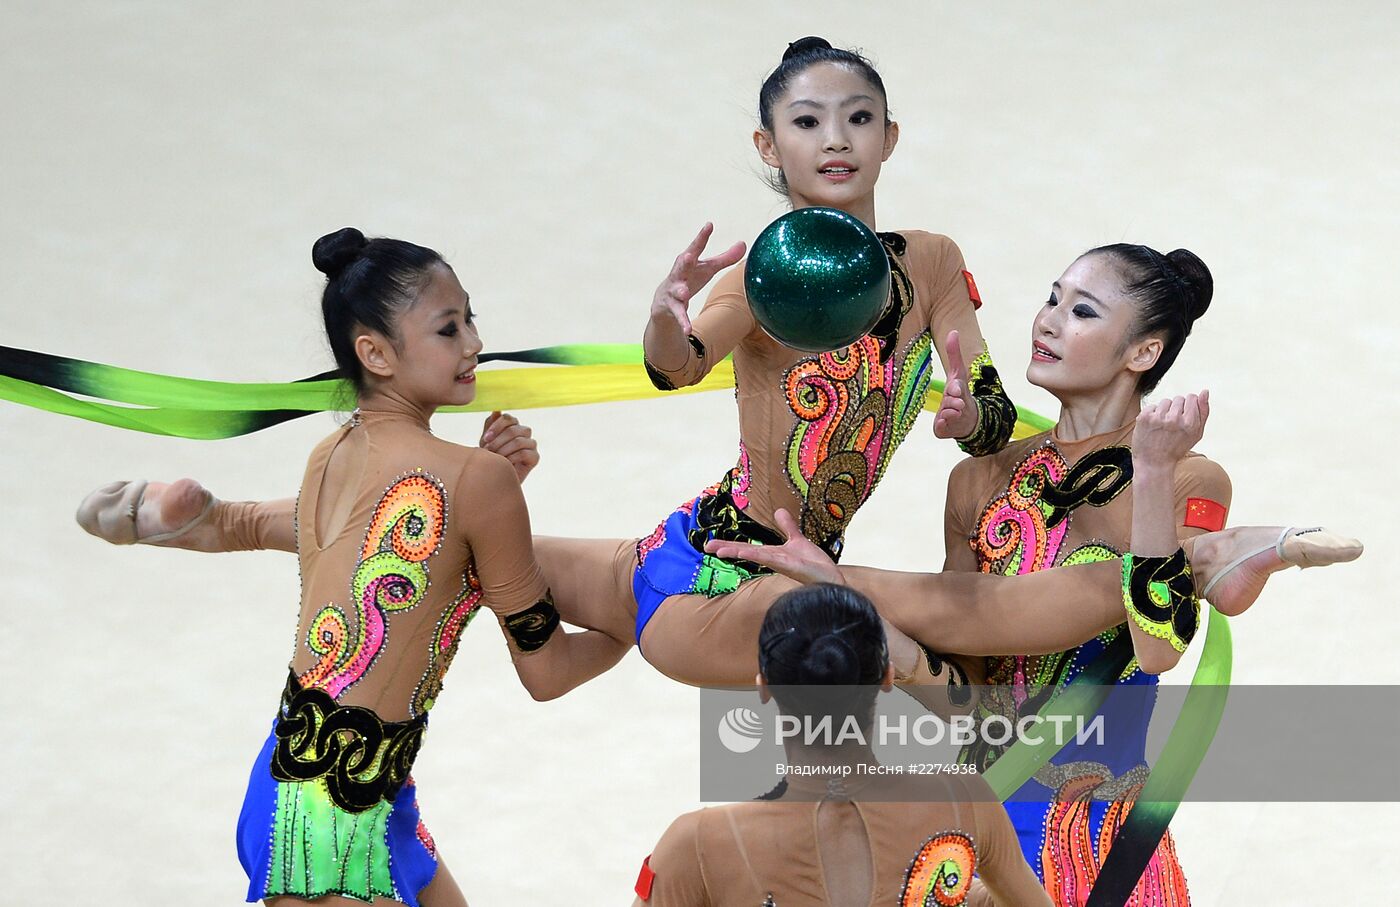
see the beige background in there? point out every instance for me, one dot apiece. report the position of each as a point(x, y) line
point(166, 168)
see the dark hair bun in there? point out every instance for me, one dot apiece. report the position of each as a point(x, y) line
point(334, 251)
point(830, 659)
point(1199, 283)
point(805, 45)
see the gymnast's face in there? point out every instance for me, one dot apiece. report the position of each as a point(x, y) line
point(432, 362)
point(829, 137)
point(1082, 339)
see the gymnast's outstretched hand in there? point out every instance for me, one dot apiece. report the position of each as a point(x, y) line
point(688, 276)
point(957, 414)
point(798, 558)
point(505, 435)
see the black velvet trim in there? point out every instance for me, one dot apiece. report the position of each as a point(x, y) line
point(532, 627)
point(318, 738)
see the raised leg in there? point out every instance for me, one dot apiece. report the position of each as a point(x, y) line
point(980, 614)
point(591, 581)
point(1234, 564)
point(706, 641)
point(183, 514)
point(1054, 610)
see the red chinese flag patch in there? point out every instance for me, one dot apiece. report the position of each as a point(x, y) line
point(644, 880)
point(972, 290)
point(1203, 513)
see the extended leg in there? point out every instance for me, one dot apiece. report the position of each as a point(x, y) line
point(591, 580)
point(1054, 610)
point(981, 614)
point(706, 641)
point(184, 514)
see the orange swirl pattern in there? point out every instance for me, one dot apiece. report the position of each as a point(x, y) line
point(1012, 537)
point(409, 519)
point(853, 410)
point(941, 872)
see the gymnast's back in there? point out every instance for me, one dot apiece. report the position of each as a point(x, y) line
point(896, 841)
point(401, 536)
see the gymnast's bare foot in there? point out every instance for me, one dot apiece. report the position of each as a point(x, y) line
point(168, 514)
point(1234, 564)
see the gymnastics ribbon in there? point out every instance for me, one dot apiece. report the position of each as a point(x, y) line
point(1191, 735)
point(1080, 698)
point(1137, 838)
point(192, 408)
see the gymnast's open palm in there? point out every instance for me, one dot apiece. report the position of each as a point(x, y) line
point(689, 275)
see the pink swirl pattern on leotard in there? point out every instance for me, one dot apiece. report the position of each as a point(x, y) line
point(651, 543)
point(739, 487)
point(819, 392)
point(1012, 531)
point(405, 530)
point(1012, 538)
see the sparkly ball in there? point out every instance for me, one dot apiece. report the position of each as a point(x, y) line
point(817, 279)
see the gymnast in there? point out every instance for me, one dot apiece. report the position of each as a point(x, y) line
point(1112, 469)
point(856, 837)
point(401, 537)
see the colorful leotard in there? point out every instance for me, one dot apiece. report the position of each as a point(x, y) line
point(433, 531)
point(770, 851)
point(817, 431)
point(1043, 503)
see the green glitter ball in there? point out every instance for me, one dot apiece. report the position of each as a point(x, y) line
point(817, 279)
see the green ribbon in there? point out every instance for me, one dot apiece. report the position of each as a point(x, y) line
point(1080, 698)
point(204, 410)
point(1157, 802)
point(1191, 735)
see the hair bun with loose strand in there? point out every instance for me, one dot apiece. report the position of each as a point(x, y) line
point(333, 252)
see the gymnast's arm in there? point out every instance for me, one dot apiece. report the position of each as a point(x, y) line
point(549, 661)
point(680, 353)
point(1008, 879)
point(1164, 482)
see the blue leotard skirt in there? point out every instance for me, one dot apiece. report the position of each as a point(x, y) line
point(293, 840)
